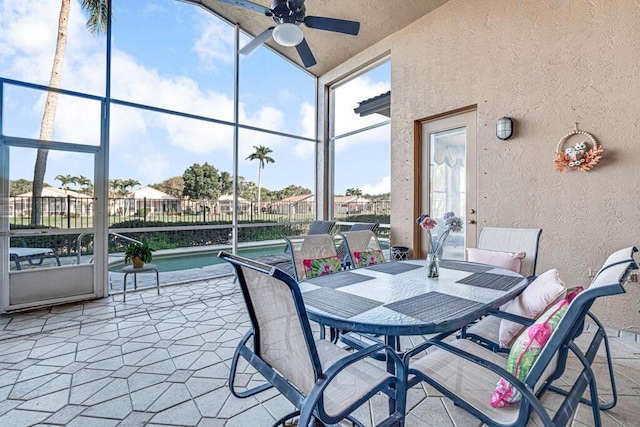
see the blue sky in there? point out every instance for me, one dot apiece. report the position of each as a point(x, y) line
point(177, 56)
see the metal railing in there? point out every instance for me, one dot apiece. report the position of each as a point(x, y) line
point(79, 243)
point(68, 212)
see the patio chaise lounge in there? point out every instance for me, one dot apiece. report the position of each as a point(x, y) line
point(34, 256)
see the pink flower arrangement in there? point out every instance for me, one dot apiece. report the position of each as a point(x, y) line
point(452, 223)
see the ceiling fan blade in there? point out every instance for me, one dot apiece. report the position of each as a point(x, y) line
point(248, 5)
point(257, 41)
point(305, 54)
point(332, 24)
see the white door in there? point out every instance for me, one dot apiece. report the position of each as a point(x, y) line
point(447, 179)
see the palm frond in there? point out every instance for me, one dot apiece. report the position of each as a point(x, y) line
point(98, 11)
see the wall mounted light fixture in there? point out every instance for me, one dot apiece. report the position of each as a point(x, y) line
point(504, 128)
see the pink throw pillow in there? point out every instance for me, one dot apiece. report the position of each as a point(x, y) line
point(508, 260)
point(525, 352)
point(546, 290)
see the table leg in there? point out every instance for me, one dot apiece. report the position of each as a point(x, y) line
point(394, 343)
point(124, 288)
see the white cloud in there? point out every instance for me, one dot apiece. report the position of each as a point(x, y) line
point(347, 98)
point(384, 186)
point(215, 44)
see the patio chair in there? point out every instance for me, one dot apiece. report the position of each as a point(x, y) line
point(309, 247)
point(512, 240)
point(358, 226)
point(321, 227)
point(485, 332)
point(318, 227)
point(322, 380)
point(467, 372)
point(362, 248)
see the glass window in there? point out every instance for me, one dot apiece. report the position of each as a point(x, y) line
point(151, 147)
point(368, 150)
point(275, 94)
point(28, 44)
point(172, 55)
point(288, 174)
point(349, 95)
point(67, 195)
point(362, 159)
point(76, 120)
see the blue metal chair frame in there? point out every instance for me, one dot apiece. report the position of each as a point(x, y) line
point(311, 406)
point(561, 342)
point(618, 257)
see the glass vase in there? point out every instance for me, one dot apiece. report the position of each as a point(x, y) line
point(432, 266)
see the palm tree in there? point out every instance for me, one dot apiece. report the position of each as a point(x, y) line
point(261, 155)
point(65, 180)
point(115, 185)
point(98, 11)
point(129, 183)
point(85, 184)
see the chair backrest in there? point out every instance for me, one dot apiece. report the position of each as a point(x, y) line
point(282, 334)
point(311, 246)
point(358, 226)
point(513, 240)
point(609, 282)
point(622, 255)
point(321, 227)
point(343, 252)
point(359, 241)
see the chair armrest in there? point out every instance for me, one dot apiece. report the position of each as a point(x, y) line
point(526, 391)
point(512, 317)
point(341, 364)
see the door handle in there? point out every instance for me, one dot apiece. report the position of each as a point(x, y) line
point(472, 221)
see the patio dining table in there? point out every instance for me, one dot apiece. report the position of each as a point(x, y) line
point(397, 299)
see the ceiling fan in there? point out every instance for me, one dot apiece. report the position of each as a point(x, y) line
point(288, 15)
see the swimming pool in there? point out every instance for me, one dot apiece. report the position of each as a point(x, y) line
point(189, 260)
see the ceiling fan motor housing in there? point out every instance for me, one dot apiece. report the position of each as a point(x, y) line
point(289, 11)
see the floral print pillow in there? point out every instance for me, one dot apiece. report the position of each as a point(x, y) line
point(321, 266)
point(525, 352)
point(363, 259)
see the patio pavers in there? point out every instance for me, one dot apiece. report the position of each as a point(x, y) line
point(164, 360)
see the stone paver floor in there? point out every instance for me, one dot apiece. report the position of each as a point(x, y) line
point(164, 360)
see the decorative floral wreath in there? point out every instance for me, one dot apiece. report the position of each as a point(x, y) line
point(578, 157)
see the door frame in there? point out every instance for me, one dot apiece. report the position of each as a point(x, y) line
point(471, 231)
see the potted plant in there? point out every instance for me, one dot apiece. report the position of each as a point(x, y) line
point(138, 254)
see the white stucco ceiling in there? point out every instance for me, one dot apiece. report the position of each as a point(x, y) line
point(378, 19)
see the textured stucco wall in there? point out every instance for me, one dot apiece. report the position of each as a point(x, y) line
point(547, 64)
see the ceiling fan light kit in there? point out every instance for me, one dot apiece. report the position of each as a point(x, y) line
point(287, 34)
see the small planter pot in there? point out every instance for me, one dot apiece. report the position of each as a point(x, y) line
point(137, 262)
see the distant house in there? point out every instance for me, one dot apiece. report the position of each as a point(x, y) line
point(154, 201)
point(55, 201)
point(350, 204)
point(226, 204)
point(304, 203)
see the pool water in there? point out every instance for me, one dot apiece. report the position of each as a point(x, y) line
point(187, 261)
